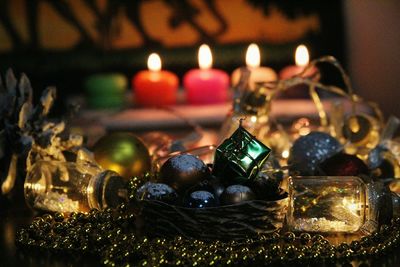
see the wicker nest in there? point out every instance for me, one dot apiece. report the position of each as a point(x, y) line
point(239, 221)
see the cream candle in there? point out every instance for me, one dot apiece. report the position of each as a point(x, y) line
point(258, 74)
point(206, 85)
point(155, 87)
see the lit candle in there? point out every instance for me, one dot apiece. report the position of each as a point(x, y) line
point(257, 74)
point(301, 58)
point(155, 87)
point(206, 85)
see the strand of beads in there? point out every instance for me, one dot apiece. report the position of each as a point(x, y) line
point(112, 235)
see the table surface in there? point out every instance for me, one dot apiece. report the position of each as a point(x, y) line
point(15, 215)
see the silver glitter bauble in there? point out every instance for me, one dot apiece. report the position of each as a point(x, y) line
point(310, 150)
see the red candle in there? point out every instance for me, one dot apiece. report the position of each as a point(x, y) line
point(155, 87)
point(301, 58)
point(206, 85)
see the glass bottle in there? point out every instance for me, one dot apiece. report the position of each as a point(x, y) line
point(338, 204)
point(72, 187)
point(251, 109)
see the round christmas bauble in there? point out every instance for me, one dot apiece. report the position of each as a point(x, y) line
point(123, 153)
point(343, 164)
point(266, 186)
point(200, 199)
point(310, 150)
point(213, 185)
point(157, 191)
point(183, 171)
point(217, 186)
point(235, 194)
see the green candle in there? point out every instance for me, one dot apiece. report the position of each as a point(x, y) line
point(106, 90)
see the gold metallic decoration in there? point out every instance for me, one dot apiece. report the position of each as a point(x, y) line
point(361, 130)
point(389, 167)
point(318, 104)
point(123, 153)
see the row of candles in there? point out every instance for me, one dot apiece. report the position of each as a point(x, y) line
point(205, 85)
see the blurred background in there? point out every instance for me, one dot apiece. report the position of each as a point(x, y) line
point(62, 42)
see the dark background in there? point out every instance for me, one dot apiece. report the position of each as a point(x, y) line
point(29, 33)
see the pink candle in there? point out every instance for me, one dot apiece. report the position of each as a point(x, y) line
point(206, 85)
point(301, 58)
point(155, 87)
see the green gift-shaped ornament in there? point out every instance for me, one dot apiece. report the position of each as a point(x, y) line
point(239, 158)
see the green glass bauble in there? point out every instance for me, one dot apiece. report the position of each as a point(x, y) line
point(123, 153)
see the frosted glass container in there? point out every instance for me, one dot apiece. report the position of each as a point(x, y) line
point(71, 187)
point(327, 204)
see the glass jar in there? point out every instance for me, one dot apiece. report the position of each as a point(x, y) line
point(337, 204)
point(72, 187)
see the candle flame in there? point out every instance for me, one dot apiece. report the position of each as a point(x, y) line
point(302, 57)
point(205, 57)
point(253, 56)
point(154, 62)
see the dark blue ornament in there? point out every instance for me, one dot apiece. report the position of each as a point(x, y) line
point(217, 186)
point(266, 186)
point(236, 194)
point(310, 150)
point(200, 199)
point(213, 185)
point(157, 191)
point(183, 171)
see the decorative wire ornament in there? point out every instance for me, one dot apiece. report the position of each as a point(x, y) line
point(312, 82)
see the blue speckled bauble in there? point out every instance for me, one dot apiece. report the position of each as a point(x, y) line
point(213, 185)
point(310, 150)
point(200, 199)
point(235, 194)
point(157, 191)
